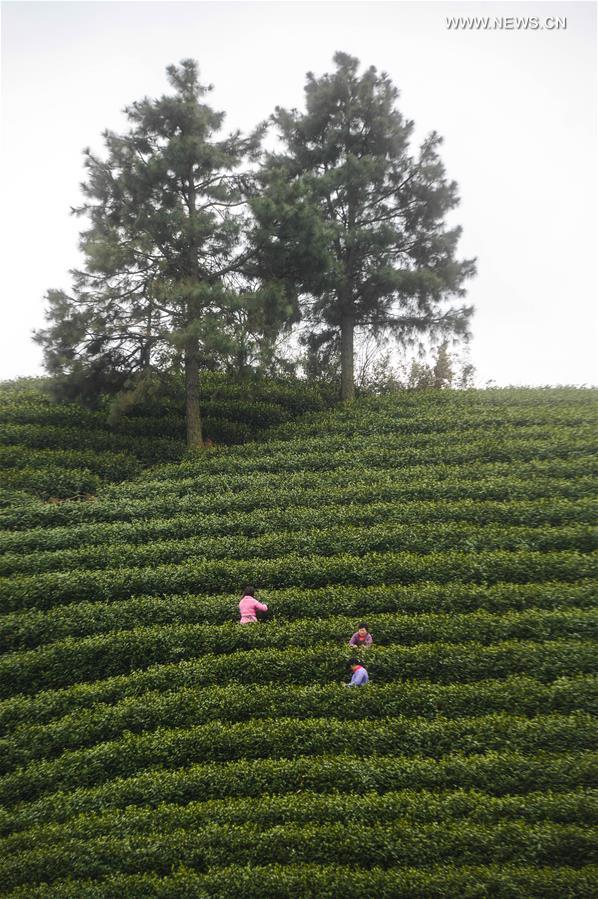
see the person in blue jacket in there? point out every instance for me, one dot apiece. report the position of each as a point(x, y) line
point(360, 675)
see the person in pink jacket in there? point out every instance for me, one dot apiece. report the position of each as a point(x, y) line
point(249, 605)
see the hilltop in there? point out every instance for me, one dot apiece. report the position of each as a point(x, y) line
point(56, 451)
point(154, 747)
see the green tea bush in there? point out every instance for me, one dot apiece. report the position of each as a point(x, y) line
point(399, 843)
point(31, 628)
point(377, 537)
point(496, 773)
point(189, 706)
point(418, 807)
point(112, 466)
point(71, 661)
point(152, 746)
point(523, 566)
point(538, 512)
point(212, 493)
point(443, 663)
point(287, 738)
point(262, 882)
point(36, 432)
point(58, 483)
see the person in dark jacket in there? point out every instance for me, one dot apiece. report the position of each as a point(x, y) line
point(361, 637)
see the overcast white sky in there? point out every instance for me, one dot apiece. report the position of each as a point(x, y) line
point(517, 110)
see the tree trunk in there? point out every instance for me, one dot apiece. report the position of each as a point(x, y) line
point(146, 346)
point(347, 378)
point(192, 411)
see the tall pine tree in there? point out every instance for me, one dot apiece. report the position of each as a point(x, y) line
point(166, 253)
point(390, 261)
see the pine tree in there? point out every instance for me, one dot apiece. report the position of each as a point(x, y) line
point(168, 266)
point(390, 260)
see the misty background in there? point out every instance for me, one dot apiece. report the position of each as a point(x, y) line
point(517, 111)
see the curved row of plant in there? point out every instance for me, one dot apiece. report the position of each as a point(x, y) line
point(30, 628)
point(454, 434)
point(438, 662)
point(539, 511)
point(328, 541)
point(400, 476)
point(152, 734)
point(418, 807)
point(188, 706)
point(91, 658)
point(208, 576)
point(61, 450)
point(485, 448)
point(398, 843)
point(443, 881)
point(289, 737)
point(212, 494)
point(497, 773)
point(255, 413)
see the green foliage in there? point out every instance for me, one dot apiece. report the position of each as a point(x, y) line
point(53, 483)
point(61, 450)
point(225, 494)
point(440, 662)
point(419, 807)
point(222, 742)
point(376, 537)
point(504, 881)
point(32, 628)
point(399, 843)
point(208, 576)
point(388, 259)
point(497, 773)
point(190, 706)
point(539, 511)
point(69, 661)
point(149, 743)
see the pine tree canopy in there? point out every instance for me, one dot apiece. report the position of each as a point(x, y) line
point(389, 257)
point(203, 250)
point(168, 267)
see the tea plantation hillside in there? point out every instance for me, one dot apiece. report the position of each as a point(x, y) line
point(57, 451)
point(152, 746)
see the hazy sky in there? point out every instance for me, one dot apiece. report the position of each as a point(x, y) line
point(517, 110)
